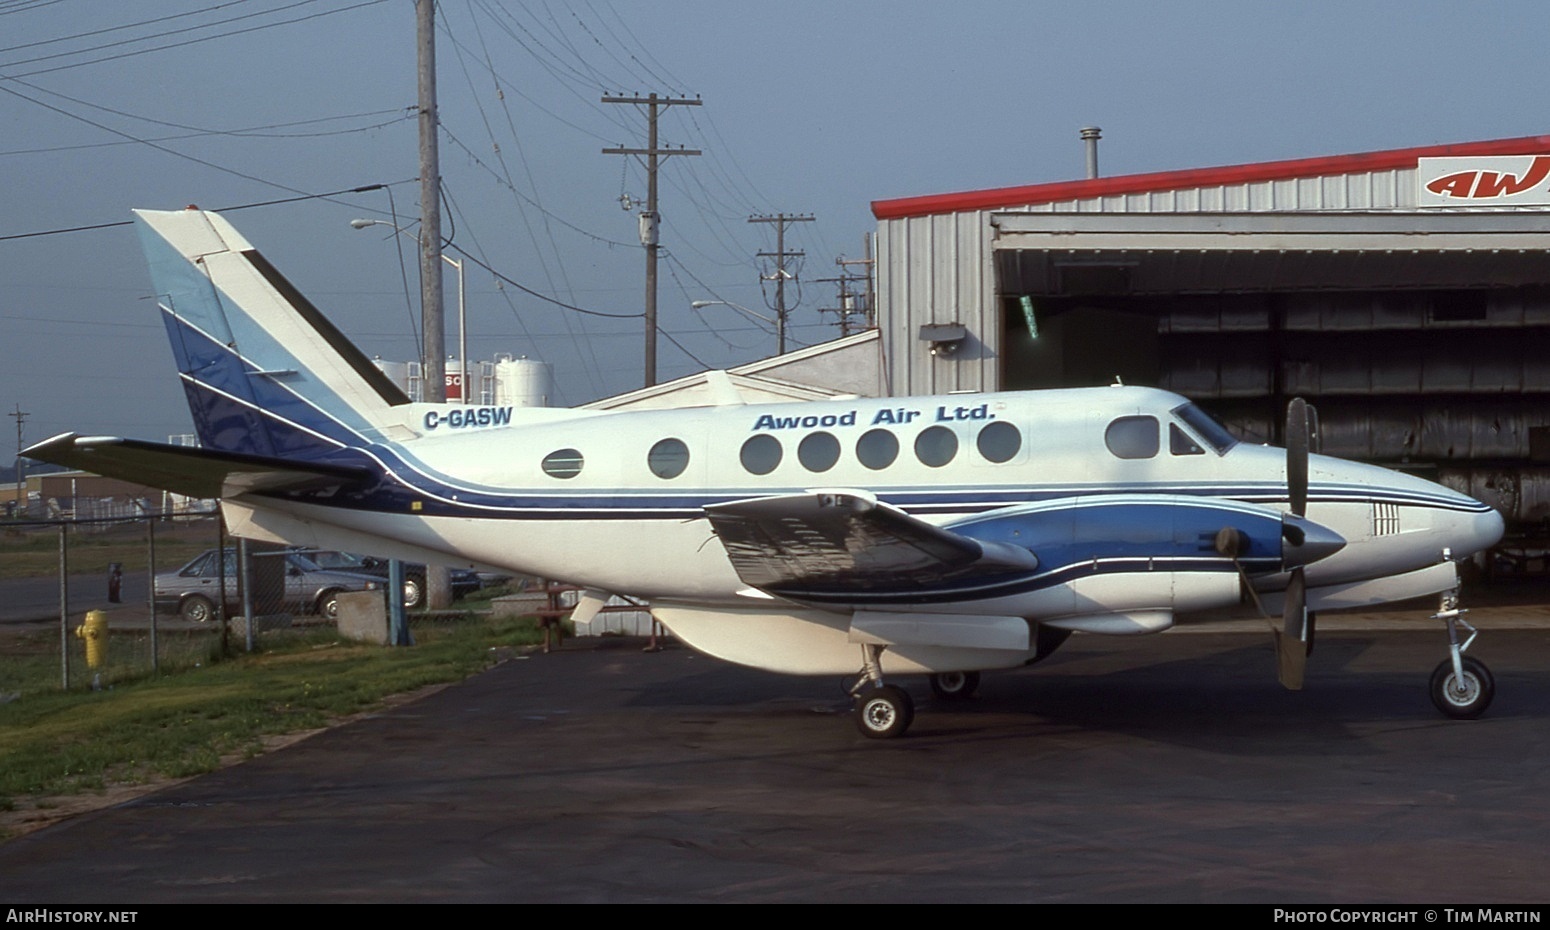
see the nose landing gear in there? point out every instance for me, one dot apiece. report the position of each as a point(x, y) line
point(1461, 686)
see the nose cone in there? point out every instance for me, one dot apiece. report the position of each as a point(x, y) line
point(1484, 531)
point(1303, 541)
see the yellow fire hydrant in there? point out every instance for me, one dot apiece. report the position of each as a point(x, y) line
point(95, 634)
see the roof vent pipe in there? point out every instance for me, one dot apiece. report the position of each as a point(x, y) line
point(1090, 136)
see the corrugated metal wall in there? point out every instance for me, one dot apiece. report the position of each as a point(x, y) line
point(938, 269)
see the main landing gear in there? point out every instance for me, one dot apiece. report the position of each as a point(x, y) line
point(1461, 687)
point(955, 686)
point(884, 711)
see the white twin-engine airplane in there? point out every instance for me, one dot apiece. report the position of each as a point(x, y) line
point(877, 537)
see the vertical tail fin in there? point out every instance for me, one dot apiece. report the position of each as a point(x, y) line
point(264, 371)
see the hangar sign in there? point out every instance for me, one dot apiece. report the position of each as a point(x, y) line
point(1498, 181)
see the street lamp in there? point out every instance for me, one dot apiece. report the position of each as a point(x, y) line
point(779, 320)
point(462, 308)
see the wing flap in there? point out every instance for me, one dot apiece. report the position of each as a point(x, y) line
point(187, 470)
point(837, 541)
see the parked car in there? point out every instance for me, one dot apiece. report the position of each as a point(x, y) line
point(464, 581)
point(195, 588)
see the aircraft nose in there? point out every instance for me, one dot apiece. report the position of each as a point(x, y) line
point(1484, 531)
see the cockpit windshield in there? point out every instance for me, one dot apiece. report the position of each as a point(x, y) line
point(1204, 426)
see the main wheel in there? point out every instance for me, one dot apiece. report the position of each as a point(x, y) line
point(955, 686)
point(1464, 700)
point(883, 713)
point(196, 608)
point(414, 592)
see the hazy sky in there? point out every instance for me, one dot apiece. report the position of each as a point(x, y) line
point(809, 107)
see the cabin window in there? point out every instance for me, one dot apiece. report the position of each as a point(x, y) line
point(877, 448)
point(668, 458)
point(1179, 442)
point(936, 446)
point(565, 463)
point(818, 452)
point(999, 441)
point(1132, 437)
point(761, 454)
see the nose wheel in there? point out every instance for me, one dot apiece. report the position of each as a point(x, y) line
point(1463, 695)
point(1461, 686)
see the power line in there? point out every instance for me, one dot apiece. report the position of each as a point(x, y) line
point(98, 32)
point(172, 45)
point(245, 206)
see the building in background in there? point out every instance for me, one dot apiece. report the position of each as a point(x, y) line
point(1405, 293)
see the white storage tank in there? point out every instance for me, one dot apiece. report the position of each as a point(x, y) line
point(523, 382)
point(397, 372)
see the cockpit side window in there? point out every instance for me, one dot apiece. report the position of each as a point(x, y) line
point(1179, 442)
point(1206, 427)
point(1132, 437)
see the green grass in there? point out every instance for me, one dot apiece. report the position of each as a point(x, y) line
point(185, 720)
point(33, 552)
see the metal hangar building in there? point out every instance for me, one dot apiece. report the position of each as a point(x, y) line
point(1405, 293)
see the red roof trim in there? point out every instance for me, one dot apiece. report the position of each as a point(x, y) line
point(1197, 177)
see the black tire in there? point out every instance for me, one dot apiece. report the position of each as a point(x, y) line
point(196, 608)
point(414, 592)
point(328, 606)
point(1472, 699)
point(884, 713)
point(955, 686)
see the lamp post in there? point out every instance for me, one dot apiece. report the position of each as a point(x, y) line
point(462, 306)
point(779, 319)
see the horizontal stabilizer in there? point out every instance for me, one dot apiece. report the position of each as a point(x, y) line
point(187, 470)
point(837, 541)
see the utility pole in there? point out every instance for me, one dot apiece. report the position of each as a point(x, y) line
point(650, 220)
point(433, 382)
point(433, 323)
point(21, 487)
point(847, 305)
point(779, 277)
point(867, 264)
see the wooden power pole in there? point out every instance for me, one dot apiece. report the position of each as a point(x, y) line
point(650, 220)
point(781, 220)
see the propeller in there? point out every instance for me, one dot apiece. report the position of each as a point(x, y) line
point(1295, 638)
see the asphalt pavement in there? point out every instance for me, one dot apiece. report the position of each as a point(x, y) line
point(1167, 768)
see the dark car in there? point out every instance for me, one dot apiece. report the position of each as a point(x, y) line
point(464, 582)
point(195, 588)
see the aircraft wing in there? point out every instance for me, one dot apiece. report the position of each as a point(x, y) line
point(839, 541)
point(187, 470)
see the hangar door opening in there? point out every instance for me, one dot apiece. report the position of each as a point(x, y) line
point(1063, 342)
point(1432, 360)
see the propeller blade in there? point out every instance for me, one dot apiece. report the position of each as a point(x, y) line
point(1298, 437)
point(1292, 639)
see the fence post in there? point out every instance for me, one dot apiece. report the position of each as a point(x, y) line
point(245, 586)
point(64, 609)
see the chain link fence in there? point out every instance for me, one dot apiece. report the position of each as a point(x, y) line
point(87, 603)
